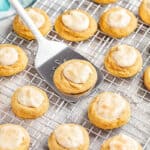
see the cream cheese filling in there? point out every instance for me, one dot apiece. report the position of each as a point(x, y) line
point(119, 19)
point(36, 17)
point(30, 97)
point(125, 56)
point(10, 137)
point(77, 72)
point(76, 21)
point(148, 4)
point(110, 106)
point(69, 136)
point(123, 142)
point(8, 56)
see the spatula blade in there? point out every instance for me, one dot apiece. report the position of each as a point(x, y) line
point(47, 69)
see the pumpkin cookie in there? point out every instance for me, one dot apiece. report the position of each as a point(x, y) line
point(29, 102)
point(121, 142)
point(12, 59)
point(69, 137)
point(109, 110)
point(144, 11)
point(147, 78)
point(75, 76)
point(118, 22)
point(104, 1)
point(123, 61)
point(75, 25)
point(39, 17)
point(13, 137)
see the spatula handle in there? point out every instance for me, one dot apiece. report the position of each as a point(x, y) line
point(22, 13)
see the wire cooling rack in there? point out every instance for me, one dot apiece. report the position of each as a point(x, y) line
point(94, 49)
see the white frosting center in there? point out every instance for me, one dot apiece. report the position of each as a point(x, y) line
point(8, 56)
point(148, 4)
point(125, 56)
point(30, 97)
point(77, 72)
point(36, 17)
point(75, 20)
point(69, 136)
point(10, 137)
point(110, 106)
point(123, 142)
point(119, 19)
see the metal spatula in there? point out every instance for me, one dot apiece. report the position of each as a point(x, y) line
point(50, 54)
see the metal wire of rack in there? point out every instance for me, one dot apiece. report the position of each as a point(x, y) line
point(94, 49)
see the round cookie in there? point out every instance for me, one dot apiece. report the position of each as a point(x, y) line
point(109, 110)
point(104, 1)
point(13, 137)
point(147, 78)
point(121, 142)
point(69, 137)
point(39, 17)
point(75, 77)
point(29, 102)
point(75, 25)
point(123, 61)
point(118, 22)
point(144, 11)
point(12, 59)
